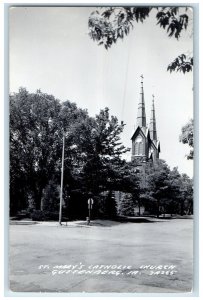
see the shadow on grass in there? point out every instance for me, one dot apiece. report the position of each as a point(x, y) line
point(116, 221)
point(143, 219)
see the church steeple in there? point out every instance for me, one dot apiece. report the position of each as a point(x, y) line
point(152, 126)
point(141, 115)
point(145, 145)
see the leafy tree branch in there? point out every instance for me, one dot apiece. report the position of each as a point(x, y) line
point(110, 24)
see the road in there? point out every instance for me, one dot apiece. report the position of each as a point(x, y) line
point(124, 248)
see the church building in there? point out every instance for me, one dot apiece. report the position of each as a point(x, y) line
point(145, 145)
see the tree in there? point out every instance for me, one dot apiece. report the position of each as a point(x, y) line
point(33, 145)
point(104, 171)
point(166, 191)
point(92, 153)
point(175, 198)
point(186, 137)
point(157, 184)
point(104, 152)
point(109, 24)
point(110, 205)
point(50, 197)
point(126, 205)
point(37, 123)
point(93, 163)
point(128, 187)
point(180, 193)
point(187, 194)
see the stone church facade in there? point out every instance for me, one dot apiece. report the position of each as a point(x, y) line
point(145, 144)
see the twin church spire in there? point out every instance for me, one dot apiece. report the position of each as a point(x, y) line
point(152, 125)
point(145, 145)
point(141, 114)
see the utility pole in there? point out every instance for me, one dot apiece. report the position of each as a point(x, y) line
point(90, 204)
point(62, 171)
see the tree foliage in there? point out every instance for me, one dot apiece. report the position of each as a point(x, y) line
point(159, 191)
point(110, 24)
point(182, 63)
point(37, 122)
point(92, 150)
point(126, 205)
point(187, 137)
point(33, 143)
point(93, 165)
point(169, 18)
point(164, 190)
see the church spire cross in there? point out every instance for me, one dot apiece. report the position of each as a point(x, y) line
point(142, 77)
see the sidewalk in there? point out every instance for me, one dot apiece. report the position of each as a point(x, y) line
point(93, 223)
point(80, 223)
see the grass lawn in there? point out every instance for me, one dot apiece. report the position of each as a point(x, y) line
point(128, 246)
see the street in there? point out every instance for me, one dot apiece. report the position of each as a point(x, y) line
point(115, 257)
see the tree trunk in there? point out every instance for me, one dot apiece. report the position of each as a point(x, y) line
point(38, 198)
point(157, 208)
point(182, 208)
point(139, 207)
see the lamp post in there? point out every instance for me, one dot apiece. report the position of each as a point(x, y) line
point(61, 191)
point(90, 203)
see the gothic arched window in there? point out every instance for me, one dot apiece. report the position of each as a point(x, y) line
point(136, 148)
point(140, 148)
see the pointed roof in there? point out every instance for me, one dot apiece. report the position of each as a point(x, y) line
point(141, 115)
point(152, 125)
point(144, 132)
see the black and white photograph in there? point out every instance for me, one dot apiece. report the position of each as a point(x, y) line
point(101, 149)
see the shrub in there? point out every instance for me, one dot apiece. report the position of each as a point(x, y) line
point(38, 215)
point(50, 197)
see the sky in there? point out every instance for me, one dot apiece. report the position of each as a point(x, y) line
point(50, 49)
